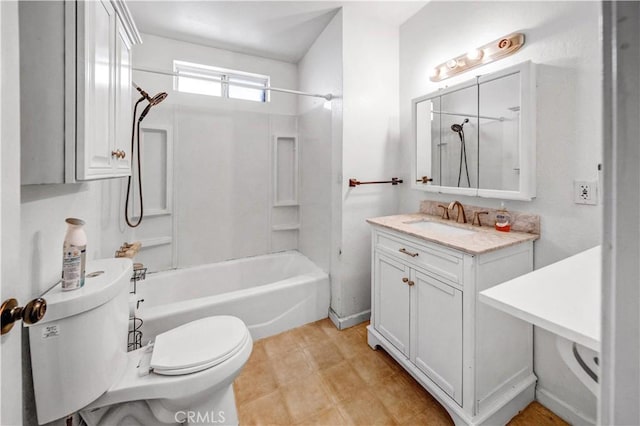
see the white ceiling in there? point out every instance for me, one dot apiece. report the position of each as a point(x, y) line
point(282, 30)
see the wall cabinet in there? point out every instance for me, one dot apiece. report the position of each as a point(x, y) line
point(477, 361)
point(77, 109)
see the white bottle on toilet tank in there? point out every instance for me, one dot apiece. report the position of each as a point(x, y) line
point(74, 253)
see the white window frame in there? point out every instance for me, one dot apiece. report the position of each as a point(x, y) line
point(224, 75)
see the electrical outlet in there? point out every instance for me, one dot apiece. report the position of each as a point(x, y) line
point(585, 192)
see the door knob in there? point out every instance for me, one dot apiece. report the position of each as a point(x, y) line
point(10, 312)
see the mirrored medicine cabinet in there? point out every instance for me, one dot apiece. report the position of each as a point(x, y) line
point(478, 138)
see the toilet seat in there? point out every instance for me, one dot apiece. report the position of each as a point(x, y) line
point(198, 345)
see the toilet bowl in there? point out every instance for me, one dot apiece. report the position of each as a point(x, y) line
point(80, 363)
point(187, 372)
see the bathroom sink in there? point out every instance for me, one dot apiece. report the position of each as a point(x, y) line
point(440, 228)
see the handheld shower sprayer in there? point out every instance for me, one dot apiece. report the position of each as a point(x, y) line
point(152, 101)
point(459, 129)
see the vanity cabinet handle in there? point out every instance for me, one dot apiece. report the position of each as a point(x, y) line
point(411, 283)
point(405, 280)
point(118, 153)
point(404, 250)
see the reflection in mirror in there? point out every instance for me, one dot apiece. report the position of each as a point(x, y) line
point(499, 157)
point(478, 138)
point(428, 140)
point(457, 151)
point(447, 139)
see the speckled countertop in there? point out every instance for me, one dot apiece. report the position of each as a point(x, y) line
point(483, 240)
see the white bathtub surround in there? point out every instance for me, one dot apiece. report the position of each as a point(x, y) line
point(270, 293)
point(320, 132)
point(221, 162)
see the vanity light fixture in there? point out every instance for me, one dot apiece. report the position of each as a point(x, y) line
point(490, 52)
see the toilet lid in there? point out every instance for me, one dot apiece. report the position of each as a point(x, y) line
point(198, 345)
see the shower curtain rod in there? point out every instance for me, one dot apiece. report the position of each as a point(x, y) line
point(486, 117)
point(328, 96)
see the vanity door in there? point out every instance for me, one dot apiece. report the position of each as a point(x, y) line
point(391, 298)
point(438, 333)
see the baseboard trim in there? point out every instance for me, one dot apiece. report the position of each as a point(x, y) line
point(350, 321)
point(562, 409)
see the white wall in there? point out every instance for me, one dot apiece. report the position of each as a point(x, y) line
point(562, 38)
point(320, 133)
point(370, 147)
point(159, 53)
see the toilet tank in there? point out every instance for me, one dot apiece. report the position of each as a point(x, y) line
point(79, 348)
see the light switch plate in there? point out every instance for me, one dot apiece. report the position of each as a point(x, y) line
point(585, 192)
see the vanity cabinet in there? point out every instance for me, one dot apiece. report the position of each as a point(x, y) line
point(392, 315)
point(76, 110)
point(438, 333)
point(477, 361)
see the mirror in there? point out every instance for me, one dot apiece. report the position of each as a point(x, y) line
point(477, 138)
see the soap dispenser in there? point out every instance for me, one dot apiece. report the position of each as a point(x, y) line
point(503, 219)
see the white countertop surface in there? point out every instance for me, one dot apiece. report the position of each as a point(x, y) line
point(563, 298)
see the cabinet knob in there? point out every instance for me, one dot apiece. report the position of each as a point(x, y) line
point(405, 280)
point(115, 153)
point(123, 154)
point(411, 283)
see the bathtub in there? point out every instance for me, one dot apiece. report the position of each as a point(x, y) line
point(271, 294)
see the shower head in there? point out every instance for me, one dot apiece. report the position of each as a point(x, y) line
point(153, 101)
point(158, 98)
point(458, 127)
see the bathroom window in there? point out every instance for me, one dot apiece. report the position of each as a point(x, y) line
point(214, 81)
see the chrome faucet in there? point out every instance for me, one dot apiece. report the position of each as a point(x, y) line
point(460, 211)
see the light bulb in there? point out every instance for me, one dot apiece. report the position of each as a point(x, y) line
point(475, 54)
point(434, 72)
point(452, 63)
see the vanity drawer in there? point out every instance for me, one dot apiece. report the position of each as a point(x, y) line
point(444, 263)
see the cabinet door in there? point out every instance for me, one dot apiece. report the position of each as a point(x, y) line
point(438, 333)
point(123, 102)
point(96, 81)
point(392, 301)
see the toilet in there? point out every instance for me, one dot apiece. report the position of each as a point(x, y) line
point(80, 361)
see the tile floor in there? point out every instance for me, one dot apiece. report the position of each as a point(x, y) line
point(316, 374)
